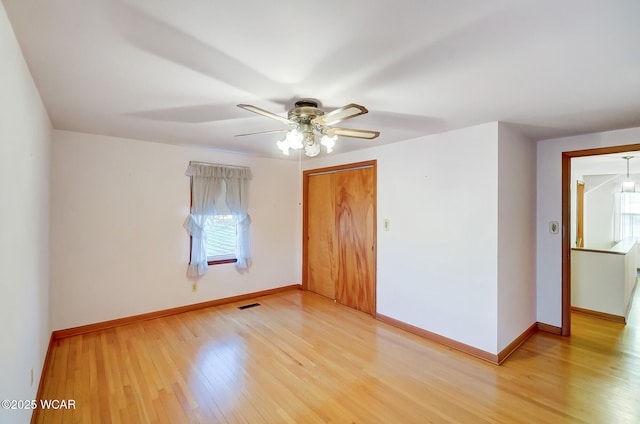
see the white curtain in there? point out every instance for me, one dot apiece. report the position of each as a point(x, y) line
point(208, 181)
point(626, 215)
point(237, 190)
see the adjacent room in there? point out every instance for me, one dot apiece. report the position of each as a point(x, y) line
point(604, 234)
point(221, 212)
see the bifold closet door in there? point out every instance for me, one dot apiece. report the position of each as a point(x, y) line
point(321, 246)
point(340, 237)
point(354, 225)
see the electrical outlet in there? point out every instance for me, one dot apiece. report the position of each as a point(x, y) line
point(31, 377)
point(194, 287)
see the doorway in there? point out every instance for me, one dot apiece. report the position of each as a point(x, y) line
point(339, 234)
point(566, 222)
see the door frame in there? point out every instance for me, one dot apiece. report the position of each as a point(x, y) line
point(579, 214)
point(305, 201)
point(566, 222)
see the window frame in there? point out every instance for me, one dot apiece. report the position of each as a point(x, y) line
point(222, 261)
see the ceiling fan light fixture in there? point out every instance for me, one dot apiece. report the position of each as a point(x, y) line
point(329, 142)
point(294, 139)
point(283, 146)
point(312, 149)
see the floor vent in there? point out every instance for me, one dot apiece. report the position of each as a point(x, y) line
point(251, 305)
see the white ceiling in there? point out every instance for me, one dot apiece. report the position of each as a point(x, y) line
point(172, 71)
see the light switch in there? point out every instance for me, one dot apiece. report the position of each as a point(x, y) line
point(386, 224)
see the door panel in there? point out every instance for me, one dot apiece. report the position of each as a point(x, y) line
point(321, 249)
point(354, 223)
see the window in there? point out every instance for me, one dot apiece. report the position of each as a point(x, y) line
point(220, 233)
point(629, 215)
point(218, 222)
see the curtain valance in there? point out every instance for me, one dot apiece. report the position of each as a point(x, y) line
point(197, 169)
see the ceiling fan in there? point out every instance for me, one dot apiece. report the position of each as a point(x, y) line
point(309, 121)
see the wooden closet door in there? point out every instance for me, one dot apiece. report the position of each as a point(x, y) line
point(322, 251)
point(354, 227)
point(339, 245)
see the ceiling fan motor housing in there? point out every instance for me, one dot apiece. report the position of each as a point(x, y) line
point(306, 102)
point(304, 111)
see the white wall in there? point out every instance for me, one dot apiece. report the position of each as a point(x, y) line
point(437, 266)
point(516, 235)
point(599, 208)
point(604, 282)
point(549, 201)
point(119, 248)
point(25, 139)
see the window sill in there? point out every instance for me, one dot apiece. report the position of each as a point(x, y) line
point(222, 261)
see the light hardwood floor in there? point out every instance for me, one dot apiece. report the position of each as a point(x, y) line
point(300, 358)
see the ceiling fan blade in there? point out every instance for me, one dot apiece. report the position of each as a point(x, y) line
point(341, 114)
point(348, 132)
point(261, 132)
point(266, 113)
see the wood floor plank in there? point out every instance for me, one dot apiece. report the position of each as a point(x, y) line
point(301, 358)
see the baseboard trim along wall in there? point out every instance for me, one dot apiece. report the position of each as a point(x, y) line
point(504, 354)
point(550, 329)
point(602, 315)
point(464, 348)
point(84, 329)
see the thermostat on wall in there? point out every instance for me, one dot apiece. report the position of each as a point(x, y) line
point(554, 227)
